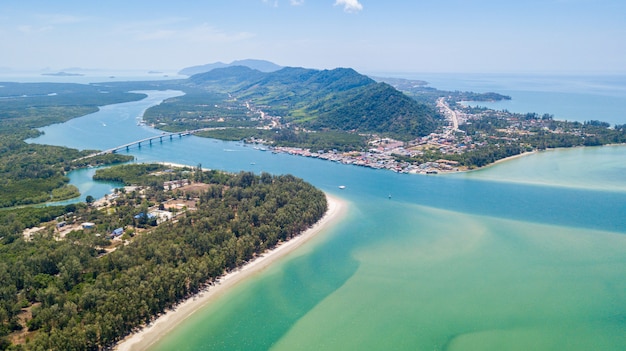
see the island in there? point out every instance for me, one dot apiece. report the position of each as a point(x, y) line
point(63, 74)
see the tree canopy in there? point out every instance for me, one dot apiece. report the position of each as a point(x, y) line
point(72, 294)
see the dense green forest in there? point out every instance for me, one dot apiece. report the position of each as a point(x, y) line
point(376, 109)
point(33, 174)
point(78, 294)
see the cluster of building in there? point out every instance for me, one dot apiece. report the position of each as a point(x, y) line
point(409, 157)
point(387, 153)
point(383, 155)
point(166, 211)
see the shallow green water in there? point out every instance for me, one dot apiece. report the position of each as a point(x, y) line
point(598, 168)
point(429, 279)
point(461, 282)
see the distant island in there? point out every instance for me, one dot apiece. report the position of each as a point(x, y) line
point(63, 74)
point(260, 65)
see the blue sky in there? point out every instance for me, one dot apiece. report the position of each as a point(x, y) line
point(538, 36)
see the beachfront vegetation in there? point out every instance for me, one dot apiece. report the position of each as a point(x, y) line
point(81, 290)
point(503, 136)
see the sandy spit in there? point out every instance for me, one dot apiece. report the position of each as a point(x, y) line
point(148, 335)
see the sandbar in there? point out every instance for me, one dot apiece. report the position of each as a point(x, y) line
point(151, 333)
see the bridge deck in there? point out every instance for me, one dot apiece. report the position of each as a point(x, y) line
point(138, 142)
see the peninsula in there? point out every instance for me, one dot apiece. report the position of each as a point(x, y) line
point(109, 267)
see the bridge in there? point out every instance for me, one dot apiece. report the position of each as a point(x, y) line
point(149, 140)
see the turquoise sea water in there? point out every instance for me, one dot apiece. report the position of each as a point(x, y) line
point(525, 255)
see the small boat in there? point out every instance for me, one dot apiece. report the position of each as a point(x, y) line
point(342, 187)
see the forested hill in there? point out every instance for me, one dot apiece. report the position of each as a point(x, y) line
point(378, 108)
point(339, 99)
point(289, 81)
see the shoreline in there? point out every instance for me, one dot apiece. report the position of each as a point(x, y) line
point(529, 153)
point(502, 160)
point(178, 165)
point(510, 158)
point(163, 324)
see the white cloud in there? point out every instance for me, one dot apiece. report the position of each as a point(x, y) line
point(271, 3)
point(274, 3)
point(349, 5)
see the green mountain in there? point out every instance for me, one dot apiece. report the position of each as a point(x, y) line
point(337, 99)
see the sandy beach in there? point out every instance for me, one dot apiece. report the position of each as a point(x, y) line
point(147, 336)
point(523, 154)
point(178, 165)
point(502, 160)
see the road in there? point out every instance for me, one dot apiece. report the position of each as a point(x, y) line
point(449, 113)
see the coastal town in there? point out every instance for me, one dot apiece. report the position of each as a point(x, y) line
point(391, 154)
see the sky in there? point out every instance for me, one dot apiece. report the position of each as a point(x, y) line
point(481, 36)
